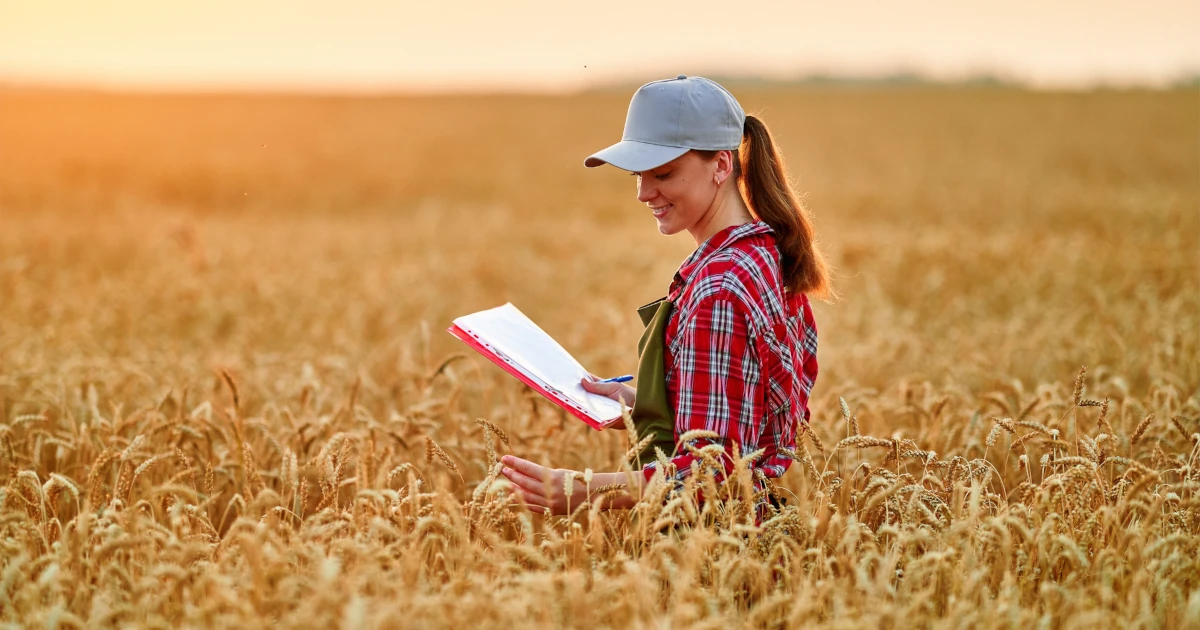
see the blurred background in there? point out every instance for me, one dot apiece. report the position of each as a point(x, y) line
point(546, 46)
point(307, 193)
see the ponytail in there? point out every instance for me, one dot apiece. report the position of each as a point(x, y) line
point(764, 185)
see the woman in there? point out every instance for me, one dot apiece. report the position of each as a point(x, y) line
point(732, 347)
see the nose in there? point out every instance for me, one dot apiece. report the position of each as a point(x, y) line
point(646, 190)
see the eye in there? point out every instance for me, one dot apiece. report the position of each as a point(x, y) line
point(663, 176)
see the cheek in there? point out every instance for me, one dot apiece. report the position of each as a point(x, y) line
point(680, 191)
point(688, 194)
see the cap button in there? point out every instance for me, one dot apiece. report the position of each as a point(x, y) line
point(682, 76)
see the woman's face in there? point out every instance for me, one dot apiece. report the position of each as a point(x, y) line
point(680, 192)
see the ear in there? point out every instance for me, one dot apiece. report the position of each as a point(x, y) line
point(724, 166)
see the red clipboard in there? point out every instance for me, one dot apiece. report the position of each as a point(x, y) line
point(507, 365)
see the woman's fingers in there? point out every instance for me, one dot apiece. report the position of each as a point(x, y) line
point(533, 500)
point(530, 491)
point(594, 387)
point(525, 482)
point(539, 487)
point(615, 391)
point(604, 389)
point(525, 466)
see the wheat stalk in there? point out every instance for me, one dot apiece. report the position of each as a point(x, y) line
point(432, 450)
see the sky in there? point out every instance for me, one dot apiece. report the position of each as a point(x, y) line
point(566, 45)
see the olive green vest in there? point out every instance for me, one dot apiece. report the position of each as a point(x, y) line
point(652, 413)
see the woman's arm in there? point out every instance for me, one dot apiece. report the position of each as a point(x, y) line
point(544, 490)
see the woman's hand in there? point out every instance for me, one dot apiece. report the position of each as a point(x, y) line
point(619, 392)
point(543, 490)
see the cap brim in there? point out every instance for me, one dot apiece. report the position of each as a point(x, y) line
point(632, 155)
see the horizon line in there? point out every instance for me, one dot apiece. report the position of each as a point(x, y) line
point(899, 78)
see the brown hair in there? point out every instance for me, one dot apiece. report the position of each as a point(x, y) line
point(762, 180)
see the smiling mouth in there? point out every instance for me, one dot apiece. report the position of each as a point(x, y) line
point(661, 210)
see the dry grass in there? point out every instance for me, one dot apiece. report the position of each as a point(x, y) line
point(226, 397)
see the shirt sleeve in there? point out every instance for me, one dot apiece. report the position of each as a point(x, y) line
point(789, 387)
point(716, 374)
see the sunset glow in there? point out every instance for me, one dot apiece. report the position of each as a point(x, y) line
point(560, 46)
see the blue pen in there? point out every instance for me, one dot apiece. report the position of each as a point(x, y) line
point(618, 379)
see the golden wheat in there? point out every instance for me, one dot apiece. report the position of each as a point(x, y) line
point(221, 351)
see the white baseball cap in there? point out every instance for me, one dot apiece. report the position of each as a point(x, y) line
point(671, 117)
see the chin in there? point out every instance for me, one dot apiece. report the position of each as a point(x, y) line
point(668, 228)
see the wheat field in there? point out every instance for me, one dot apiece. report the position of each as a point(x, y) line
point(227, 398)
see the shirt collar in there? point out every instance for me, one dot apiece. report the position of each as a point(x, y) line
point(715, 243)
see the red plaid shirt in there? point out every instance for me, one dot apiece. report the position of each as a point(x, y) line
point(740, 351)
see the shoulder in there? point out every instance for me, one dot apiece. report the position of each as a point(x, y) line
point(746, 273)
point(742, 279)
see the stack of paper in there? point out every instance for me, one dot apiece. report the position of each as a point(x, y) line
point(512, 341)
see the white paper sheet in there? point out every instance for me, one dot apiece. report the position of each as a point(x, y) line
point(507, 330)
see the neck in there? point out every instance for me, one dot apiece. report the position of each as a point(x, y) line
point(727, 209)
